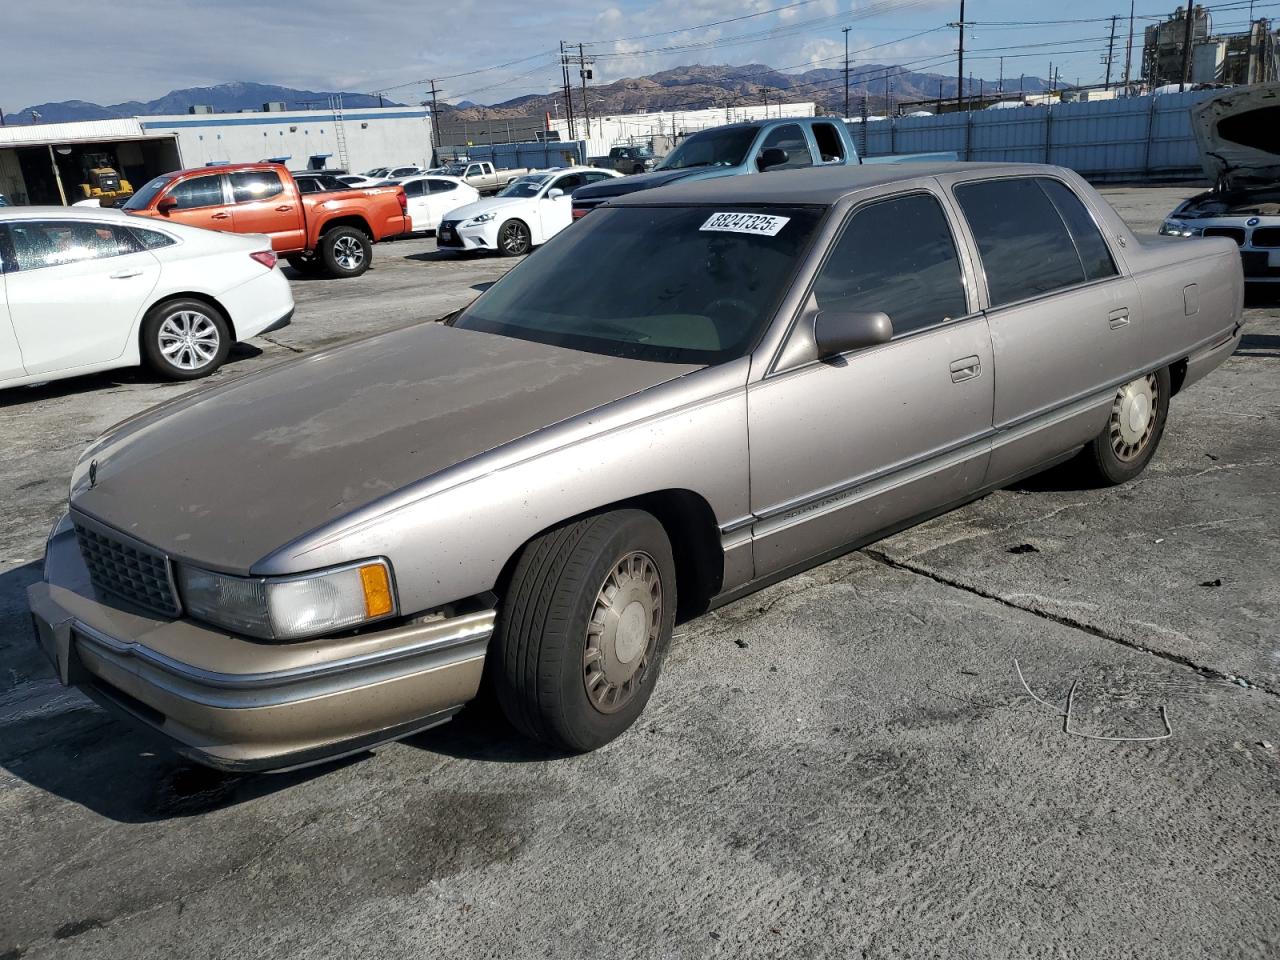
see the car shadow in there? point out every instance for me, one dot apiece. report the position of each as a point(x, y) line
point(480, 732)
point(1262, 294)
point(442, 256)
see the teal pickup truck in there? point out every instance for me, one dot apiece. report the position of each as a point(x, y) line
point(737, 149)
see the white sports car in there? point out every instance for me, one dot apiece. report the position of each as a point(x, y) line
point(83, 290)
point(528, 212)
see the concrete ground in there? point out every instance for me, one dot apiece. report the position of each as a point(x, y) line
point(845, 764)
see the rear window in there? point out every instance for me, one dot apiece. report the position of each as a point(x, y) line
point(255, 185)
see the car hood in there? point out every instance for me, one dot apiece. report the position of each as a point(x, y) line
point(478, 207)
point(1237, 135)
point(619, 186)
point(226, 476)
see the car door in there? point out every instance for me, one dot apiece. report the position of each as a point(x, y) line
point(201, 202)
point(791, 140)
point(556, 213)
point(1065, 322)
point(443, 196)
point(263, 205)
point(418, 203)
point(849, 446)
point(76, 292)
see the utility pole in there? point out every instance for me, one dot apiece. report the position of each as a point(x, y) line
point(1128, 53)
point(888, 95)
point(1000, 89)
point(846, 71)
point(584, 74)
point(435, 113)
point(1050, 76)
point(1186, 49)
point(960, 62)
point(1110, 52)
point(568, 93)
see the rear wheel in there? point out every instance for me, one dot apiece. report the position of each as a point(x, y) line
point(185, 339)
point(514, 239)
point(346, 251)
point(583, 628)
point(1133, 431)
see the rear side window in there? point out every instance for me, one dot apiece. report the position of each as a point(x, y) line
point(198, 192)
point(440, 186)
point(255, 185)
point(896, 256)
point(830, 146)
point(413, 188)
point(152, 239)
point(55, 243)
point(1027, 249)
point(789, 138)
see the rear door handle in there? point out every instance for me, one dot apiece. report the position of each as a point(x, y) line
point(965, 369)
point(125, 274)
point(221, 216)
point(1118, 318)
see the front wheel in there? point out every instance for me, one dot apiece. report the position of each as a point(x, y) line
point(514, 239)
point(1133, 431)
point(185, 339)
point(346, 252)
point(583, 628)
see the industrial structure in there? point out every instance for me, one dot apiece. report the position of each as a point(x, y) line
point(1184, 48)
point(47, 163)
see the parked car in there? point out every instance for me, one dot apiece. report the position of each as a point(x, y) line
point(1239, 152)
point(548, 479)
point(377, 173)
point(430, 198)
point(738, 149)
point(4, 201)
point(83, 290)
point(355, 180)
point(408, 170)
point(333, 231)
point(631, 159)
point(527, 212)
point(320, 182)
point(481, 175)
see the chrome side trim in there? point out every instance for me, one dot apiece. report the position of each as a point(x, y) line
point(460, 632)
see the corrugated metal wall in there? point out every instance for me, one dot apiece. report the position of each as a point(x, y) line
point(509, 156)
point(1131, 138)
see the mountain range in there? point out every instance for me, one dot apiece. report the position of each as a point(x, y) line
point(689, 87)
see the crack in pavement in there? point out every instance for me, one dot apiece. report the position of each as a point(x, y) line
point(1063, 620)
point(284, 345)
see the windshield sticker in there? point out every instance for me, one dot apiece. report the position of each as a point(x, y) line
point(759, 224)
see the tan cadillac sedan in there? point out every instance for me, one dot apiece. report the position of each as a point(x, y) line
point(695, 391)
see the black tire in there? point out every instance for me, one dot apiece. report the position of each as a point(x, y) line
point(185, 339)
point(540, 661)
point(514, 239)
point(1129, 440)
point(345, 252)
point(307, 266)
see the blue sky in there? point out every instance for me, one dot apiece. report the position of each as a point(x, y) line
point(353, 45)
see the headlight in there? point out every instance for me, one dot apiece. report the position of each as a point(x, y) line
point(290, 608)
point(481, 218)
point(1176, 228)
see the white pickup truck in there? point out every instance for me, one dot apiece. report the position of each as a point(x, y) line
point(481, 175)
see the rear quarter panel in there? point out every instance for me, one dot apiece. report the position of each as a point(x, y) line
point(377, 207)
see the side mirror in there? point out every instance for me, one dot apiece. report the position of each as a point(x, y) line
point(837, 332)
point(773, 157)
point(166, 204)
point(555, 193)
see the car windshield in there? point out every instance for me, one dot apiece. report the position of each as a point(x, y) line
point(712, 280)
point(725, 147)
point(523, 187)
point(142, 198)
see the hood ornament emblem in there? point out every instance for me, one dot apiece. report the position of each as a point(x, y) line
point(93, 473)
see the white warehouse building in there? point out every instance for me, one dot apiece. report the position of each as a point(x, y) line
point(48, 162)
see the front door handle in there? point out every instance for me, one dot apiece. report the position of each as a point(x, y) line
point(1119, 317)
point(284, 208)
point(221, 216)
point(965, 369)
point(125, 274)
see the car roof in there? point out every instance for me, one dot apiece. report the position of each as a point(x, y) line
point(823, 186)
point(61, 213)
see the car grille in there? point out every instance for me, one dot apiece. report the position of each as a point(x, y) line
point(128, 570)
point(1235, 233)
point(447, 234)
point(1266, 237)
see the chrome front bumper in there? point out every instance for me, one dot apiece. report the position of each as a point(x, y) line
point(236, 703)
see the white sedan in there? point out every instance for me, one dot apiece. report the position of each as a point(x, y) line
point(529, 211)
point(85, 290)
point(430, 198)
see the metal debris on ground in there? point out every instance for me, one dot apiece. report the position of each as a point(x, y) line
point(1066, 714)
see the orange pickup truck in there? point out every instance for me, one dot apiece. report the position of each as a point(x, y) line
point(333, 231)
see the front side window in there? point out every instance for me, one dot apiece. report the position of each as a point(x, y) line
point(1027, 250)
point(568, 183)
point(712, 282)
point(141, 199)
point(198, 192)
point(898, 257)
point(256, 185)
point(790, 140)
point(55, 243)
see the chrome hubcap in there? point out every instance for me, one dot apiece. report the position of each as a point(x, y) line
point(348, 252)
point(189, 339)
point(622, 634)
point(1133, 417)
point(512, 239)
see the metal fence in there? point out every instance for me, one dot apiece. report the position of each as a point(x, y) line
point(1134, 138)
point(509, 156)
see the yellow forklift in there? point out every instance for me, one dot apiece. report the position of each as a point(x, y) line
point(102, 181)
